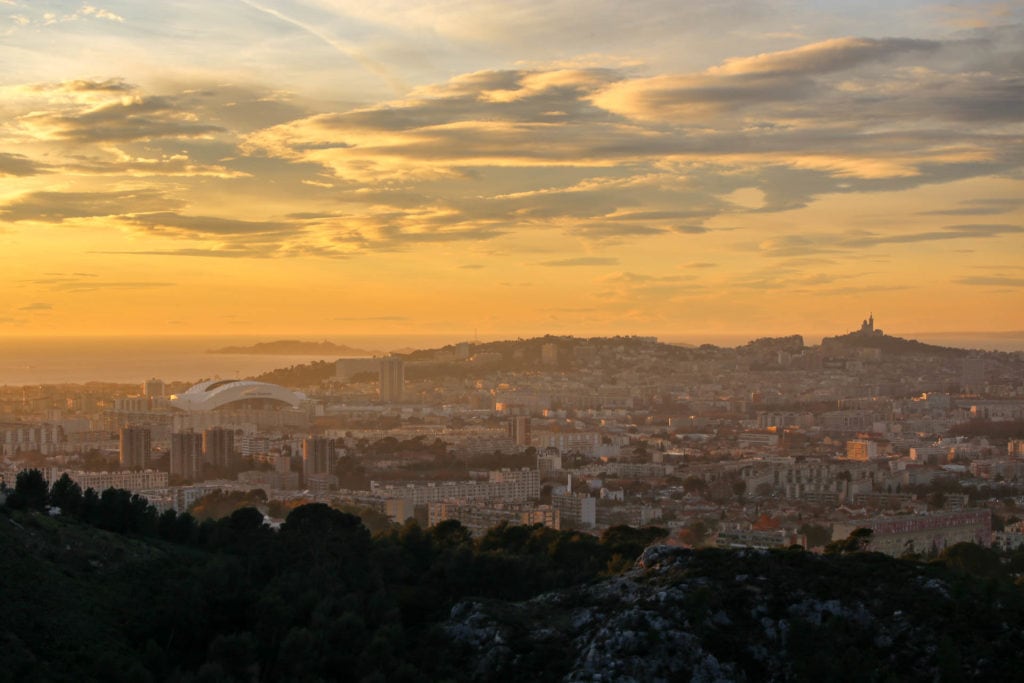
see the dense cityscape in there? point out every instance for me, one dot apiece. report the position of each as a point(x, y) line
point(769, 444)
point(554, 508)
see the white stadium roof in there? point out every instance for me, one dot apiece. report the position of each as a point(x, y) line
point(216, 393)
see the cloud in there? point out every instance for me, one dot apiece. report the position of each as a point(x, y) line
point(992, 281)
point(99, 13)
point(52, 18)
point(836, 54)
point(816, 243)
point(614, 231)
point(812, 134)
point(739, 82)
point(581, 261)
point(110, 85)
point(130, 118)
point(655, 215)
point(207, 225)
point(593, 152)
point(231, 251)
point(630, 289)
point(987, 206)
point(950, 232)
point(346, 48)
point(394, 236)
point(19, 165)
point(79, 284)
point(57, 207)
point(644, 278)
point(38, 306)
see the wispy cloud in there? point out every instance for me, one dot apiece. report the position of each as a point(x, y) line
point(581, 261)
point(992, 281)
point(87, 284)
point(836, 54)
point(989, 206)
point(57, 207)
point(813, 243)
point(346, 48)
point(207, 225)
point(221, 252)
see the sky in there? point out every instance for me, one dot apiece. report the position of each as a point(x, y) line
point(670, 167)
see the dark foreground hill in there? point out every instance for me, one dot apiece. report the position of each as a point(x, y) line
point(750, 615)
point(166, 599)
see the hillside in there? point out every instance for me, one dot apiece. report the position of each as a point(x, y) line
point(323, 600)
point(889, 345)
point(518, 355)
point(750, 615)
point(302, 375)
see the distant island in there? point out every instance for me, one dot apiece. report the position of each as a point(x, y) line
point(294, 347)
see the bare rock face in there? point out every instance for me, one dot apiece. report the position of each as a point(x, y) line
point(684, 615)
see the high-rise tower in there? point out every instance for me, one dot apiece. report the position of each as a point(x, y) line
point(135, 446)
point(392, 379)
point(317, 456)
point(186, 455)
point(219, 447)
point(519, 430)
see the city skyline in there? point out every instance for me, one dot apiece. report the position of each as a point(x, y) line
point(320, 167)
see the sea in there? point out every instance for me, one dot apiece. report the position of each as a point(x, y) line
point(132, 360)
point(28, 361)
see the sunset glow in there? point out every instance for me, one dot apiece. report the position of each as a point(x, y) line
point(326, 167)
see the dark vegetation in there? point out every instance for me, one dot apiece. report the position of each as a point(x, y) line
point(892, 346)
point(111, 590)
point(304, 374)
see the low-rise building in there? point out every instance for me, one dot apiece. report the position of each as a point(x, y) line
point(932, 532)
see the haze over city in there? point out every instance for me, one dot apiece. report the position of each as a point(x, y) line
point(674, 168)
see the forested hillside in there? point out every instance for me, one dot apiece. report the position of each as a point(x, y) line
point(111, 591)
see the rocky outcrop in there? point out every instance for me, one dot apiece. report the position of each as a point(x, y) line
point(746, 616)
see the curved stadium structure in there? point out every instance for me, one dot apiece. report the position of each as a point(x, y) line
point(235, 393)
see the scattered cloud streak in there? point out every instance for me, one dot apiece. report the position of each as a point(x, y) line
point(811, 243)
point(992, 281)
point(57, 207)
point(581, 261)
point(77, 283)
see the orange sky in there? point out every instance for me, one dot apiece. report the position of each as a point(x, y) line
point(675, 168)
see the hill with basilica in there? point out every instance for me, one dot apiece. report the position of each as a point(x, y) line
point(870, 337)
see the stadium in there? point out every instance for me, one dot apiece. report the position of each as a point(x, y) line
point(235, 394)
